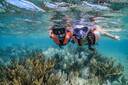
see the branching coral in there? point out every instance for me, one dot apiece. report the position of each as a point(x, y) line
point(105, 69)
point(33, 71)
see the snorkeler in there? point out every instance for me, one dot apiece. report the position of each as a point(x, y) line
point(60, 35)
point(84, 34)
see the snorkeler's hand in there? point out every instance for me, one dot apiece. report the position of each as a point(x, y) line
point(117, 37)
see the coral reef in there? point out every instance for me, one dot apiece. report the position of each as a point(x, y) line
point(77, 66)
point(30, 71)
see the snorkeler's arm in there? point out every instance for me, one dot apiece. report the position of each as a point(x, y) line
point(107, 34)
point(111, 36)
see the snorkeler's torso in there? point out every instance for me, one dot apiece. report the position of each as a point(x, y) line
point(62, 40)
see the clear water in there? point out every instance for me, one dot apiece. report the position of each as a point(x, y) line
point(28, 29)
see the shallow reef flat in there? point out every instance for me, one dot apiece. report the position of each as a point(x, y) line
point(77, 66)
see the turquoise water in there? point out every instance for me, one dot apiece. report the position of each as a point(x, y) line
point(119, 48)
point(30, 30)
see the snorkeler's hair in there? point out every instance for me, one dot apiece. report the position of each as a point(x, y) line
point(58, 24)
point(92, 19)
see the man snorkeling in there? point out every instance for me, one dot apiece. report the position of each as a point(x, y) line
point(60, 35)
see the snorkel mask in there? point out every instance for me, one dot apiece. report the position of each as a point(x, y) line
point(60, 33)
point(81, 33)
point(59, 29)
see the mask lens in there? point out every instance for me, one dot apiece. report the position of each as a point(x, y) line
point(85, 29)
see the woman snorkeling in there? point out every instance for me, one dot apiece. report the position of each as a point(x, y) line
point(89, 33)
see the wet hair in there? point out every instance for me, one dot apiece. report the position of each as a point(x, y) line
point(68, 25)
point(92, 19)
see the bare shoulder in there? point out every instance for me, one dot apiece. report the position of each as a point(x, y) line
point(98, 27)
